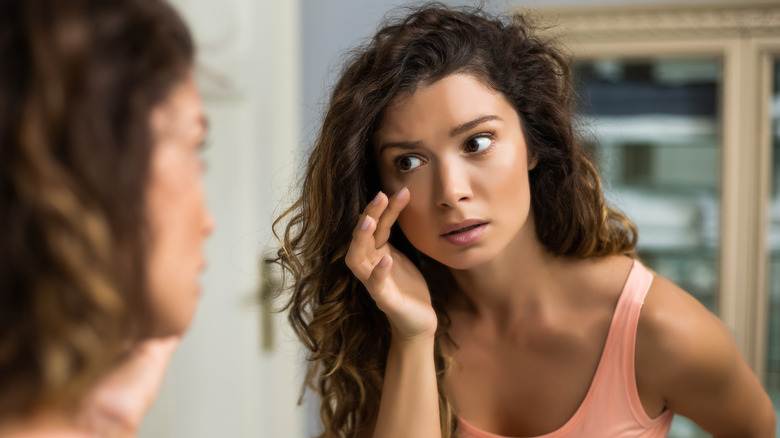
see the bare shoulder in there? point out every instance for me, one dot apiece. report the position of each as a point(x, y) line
point(687, 360)
point(599, 276)
point(683, 336)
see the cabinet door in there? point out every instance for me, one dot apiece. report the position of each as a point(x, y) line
point(653, 129)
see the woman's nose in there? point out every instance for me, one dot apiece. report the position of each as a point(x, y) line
point(453, 185)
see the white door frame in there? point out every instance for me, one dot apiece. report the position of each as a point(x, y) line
point(220, 382)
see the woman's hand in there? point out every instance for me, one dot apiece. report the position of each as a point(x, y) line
point(395, 284)
point(116, 407)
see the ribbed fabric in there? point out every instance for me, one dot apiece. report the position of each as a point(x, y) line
point(611, 408)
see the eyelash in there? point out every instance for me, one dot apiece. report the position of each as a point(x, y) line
point(490, 135)
point(397, 162)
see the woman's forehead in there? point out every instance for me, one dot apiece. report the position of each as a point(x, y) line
point(453, 100)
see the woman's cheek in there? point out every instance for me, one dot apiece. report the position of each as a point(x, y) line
point(414, 217)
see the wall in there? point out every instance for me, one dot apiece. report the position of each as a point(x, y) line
point(330, 28)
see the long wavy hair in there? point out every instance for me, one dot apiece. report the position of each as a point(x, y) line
point(78, 81)
point(347, 336)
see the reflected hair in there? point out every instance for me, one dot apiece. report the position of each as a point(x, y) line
point(78, 82)
point(347, 336)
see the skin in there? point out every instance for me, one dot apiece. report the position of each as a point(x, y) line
point(523, 312)
point(179, 219)
point(180, 222)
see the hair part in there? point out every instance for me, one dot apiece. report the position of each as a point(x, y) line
point(78, 82)
point(330, 310)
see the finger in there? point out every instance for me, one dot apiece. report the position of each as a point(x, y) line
point(374, 209)
point(361, 249)
point(376, 206)
point(396, 204)
point(376, 282)
point(362, 244)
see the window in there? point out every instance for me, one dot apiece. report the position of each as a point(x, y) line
point(681, 108)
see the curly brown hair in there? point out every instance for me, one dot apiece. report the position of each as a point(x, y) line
point(348, 337)
point(78, 81)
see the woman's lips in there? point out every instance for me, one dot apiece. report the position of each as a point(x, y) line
point(464, 233)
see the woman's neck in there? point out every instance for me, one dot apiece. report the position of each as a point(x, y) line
point(524, 276)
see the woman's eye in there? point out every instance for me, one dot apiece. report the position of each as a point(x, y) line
point(478, 144)
point(408, 163)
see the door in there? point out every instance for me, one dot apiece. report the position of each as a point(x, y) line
point(223, 382)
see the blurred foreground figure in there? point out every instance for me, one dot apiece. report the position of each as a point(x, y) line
point(102, 211)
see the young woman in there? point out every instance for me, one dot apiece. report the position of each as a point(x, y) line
point(456, 271)
point(103, 215)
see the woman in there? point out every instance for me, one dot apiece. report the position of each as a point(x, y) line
point(103, 210)
point(456, 271)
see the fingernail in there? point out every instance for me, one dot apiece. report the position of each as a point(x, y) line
point(385, 260)
point(366, 223)
point(376, 199)
point(402, 194)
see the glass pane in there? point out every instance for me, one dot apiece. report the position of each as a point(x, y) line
point(772, 377)
point(653, 128)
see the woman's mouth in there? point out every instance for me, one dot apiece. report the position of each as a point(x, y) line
point(463, 230)
point(464, 233)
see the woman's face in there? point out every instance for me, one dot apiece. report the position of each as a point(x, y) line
point(176, 208)
point(459, 148)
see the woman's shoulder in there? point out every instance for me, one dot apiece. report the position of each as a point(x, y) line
point(687, 358)
point(48, 434)
point(601, 278)
point(680, 345)
point(42, 426)
point(675, 326)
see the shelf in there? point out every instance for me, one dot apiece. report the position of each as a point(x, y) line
point(656, 130)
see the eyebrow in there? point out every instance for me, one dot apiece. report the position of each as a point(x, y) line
point(460, 129)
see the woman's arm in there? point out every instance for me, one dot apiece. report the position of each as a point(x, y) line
point(686, 357)
point(410, 402)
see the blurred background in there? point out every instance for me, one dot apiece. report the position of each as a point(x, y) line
point(680, 108)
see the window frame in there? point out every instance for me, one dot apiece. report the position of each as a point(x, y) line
point(745, 37)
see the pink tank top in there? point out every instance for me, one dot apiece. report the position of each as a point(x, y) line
point(611, 408)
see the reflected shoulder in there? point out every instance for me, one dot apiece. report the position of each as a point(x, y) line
point(687, 358)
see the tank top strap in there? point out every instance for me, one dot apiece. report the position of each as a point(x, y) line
point(629, 306)
point(612, 406)
point(624, 329)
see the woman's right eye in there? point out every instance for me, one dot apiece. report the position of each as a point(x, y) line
point(407, 163)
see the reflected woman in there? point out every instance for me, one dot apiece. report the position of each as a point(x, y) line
point(104, 217)
point(456, 271)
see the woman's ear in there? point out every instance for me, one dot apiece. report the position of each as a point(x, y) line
point(532, 160)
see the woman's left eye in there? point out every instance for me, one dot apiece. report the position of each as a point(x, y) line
point(478, 143)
